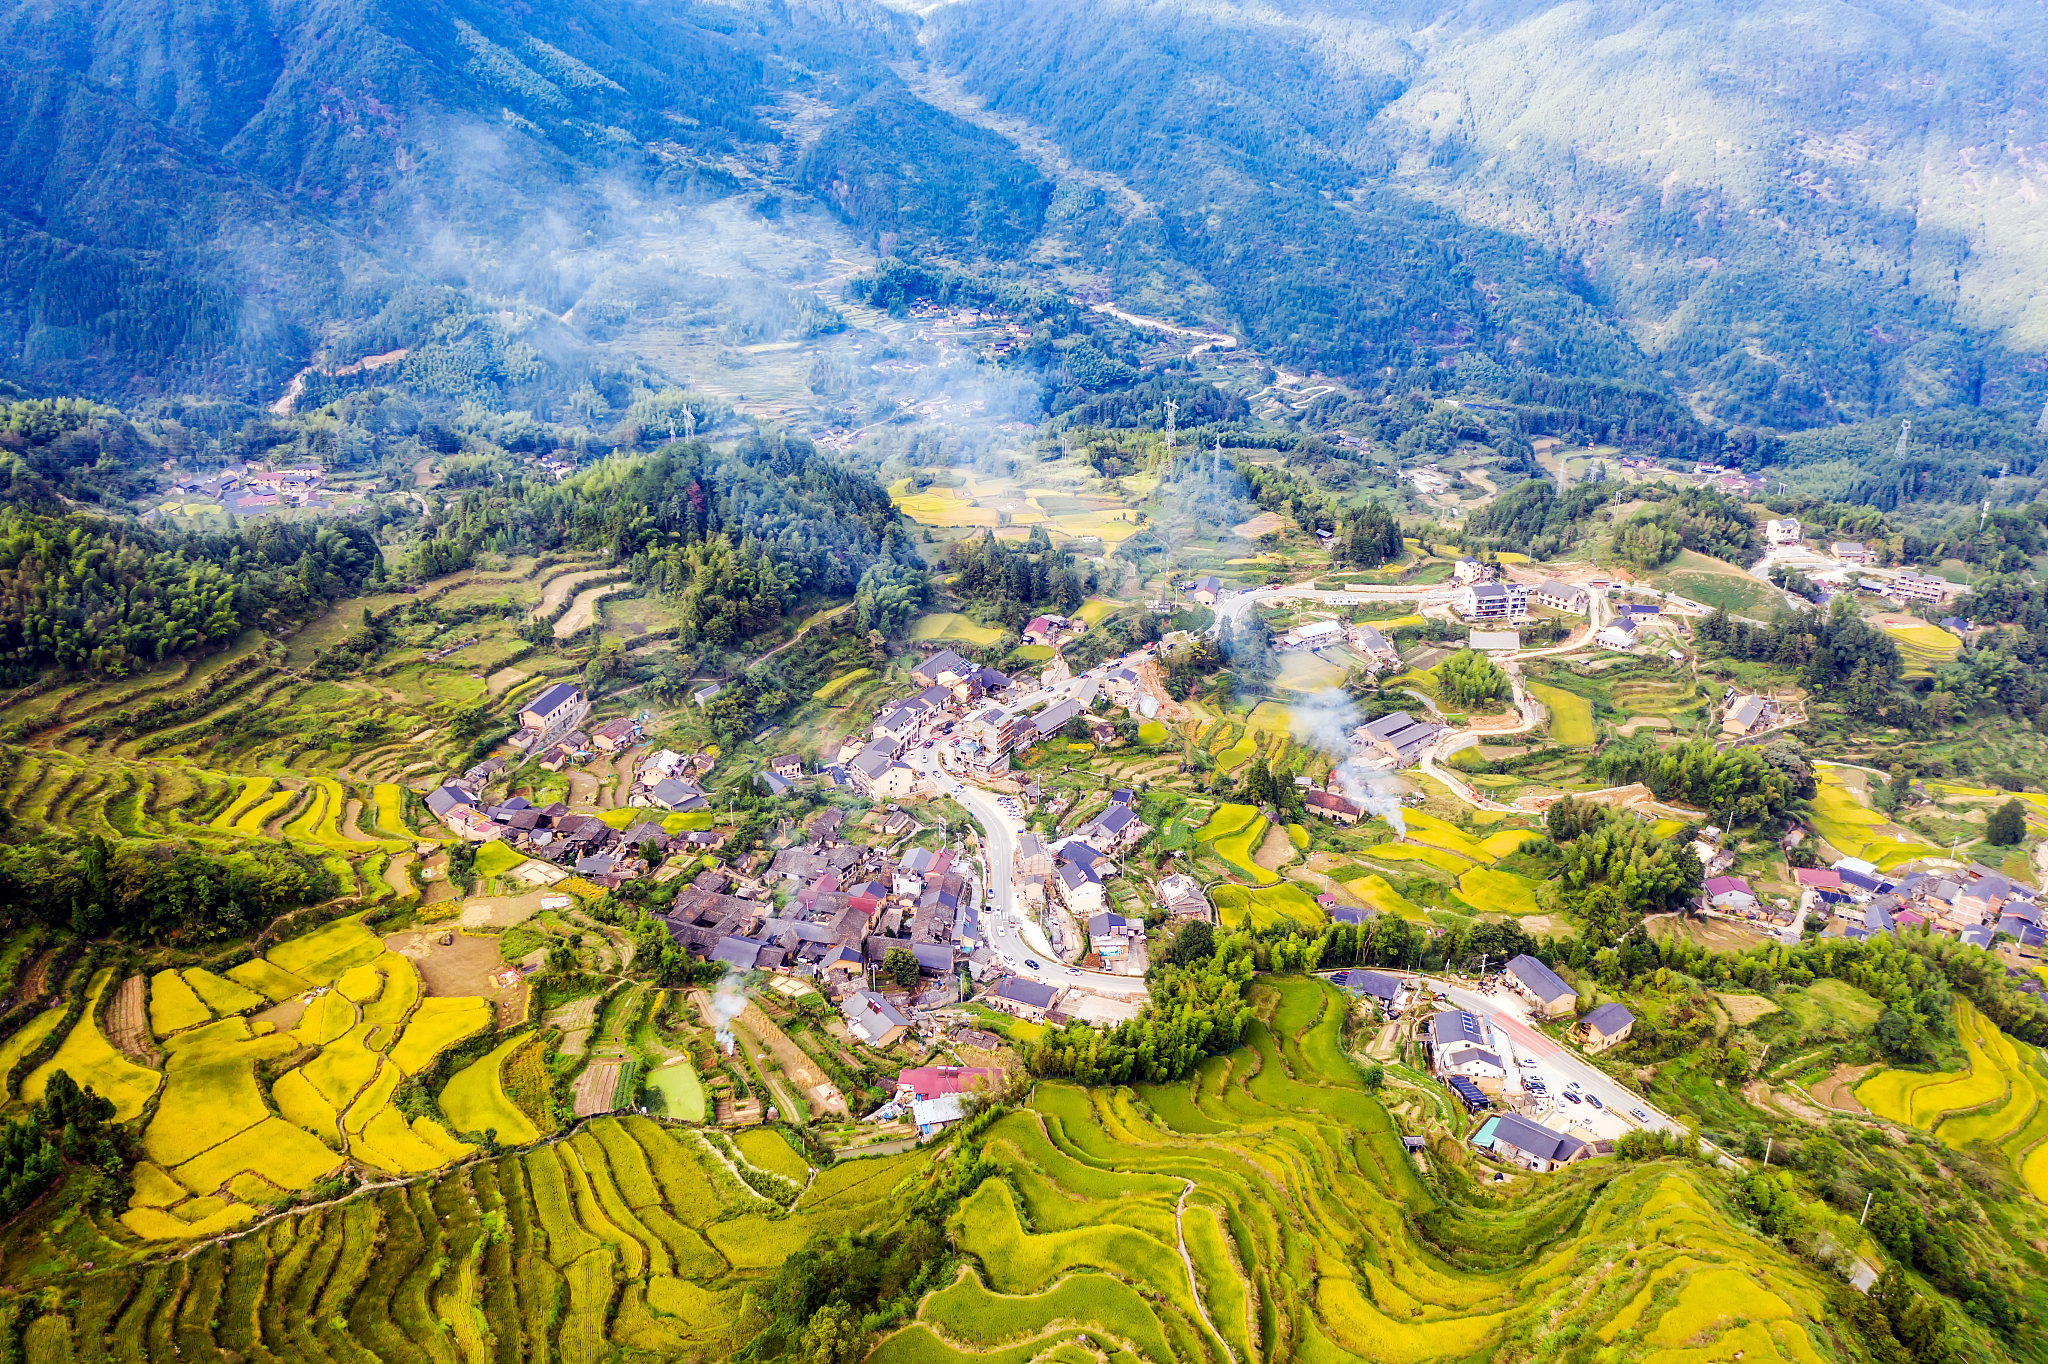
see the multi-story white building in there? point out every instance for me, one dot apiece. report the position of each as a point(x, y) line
point(1922, 587)
point(1494, 601)
point(1785, 532)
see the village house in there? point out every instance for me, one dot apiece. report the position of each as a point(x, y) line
point(1853, 552)
point(1542, 987)
point(1782, 533)
point(1562, 597)
point(616, 734)
point(1183, 897)
point(789, 766)
point(1621, 634)
point(1372, 645)
point(1607, 1026)
point(1744, 716)
point(1330, 805)
point(1530, 1145)
point(1207, 589)
point(873, 1019)
point(552, 713)
point(1030, 1000)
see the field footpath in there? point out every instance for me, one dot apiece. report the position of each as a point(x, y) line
point(1180, 1234)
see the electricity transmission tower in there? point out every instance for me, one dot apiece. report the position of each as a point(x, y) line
point(1905, 429)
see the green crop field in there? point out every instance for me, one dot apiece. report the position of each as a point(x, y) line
point(1571, 717)
point(1859, 831)
point(1303, 1208)
point(497, 857)
point(951, 626)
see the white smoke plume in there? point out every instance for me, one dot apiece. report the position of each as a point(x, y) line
point(726, 1005)
point(1325, 721)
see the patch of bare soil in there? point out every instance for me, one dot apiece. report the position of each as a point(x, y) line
point(35, 982)
point(1833, 1091)
point(596, 1087)
point(1761, 1095)
point(579, 616)
point(1262, 524)
point(465, 966)
point(396, 874)
point(349, 830)
point(282, 1017)
point(128, 1021)
point(1276, 851)
point(503, 681)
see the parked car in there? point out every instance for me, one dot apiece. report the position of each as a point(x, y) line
point(1594, 1099)
point(1527, 1063)
point(1572, 1096)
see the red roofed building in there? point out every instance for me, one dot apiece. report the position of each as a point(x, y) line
point(1820, 878)
point(1330, 805)
point(931, 1082)
point(868, 897)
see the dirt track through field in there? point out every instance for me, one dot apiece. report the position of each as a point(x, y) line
point(796, 1063)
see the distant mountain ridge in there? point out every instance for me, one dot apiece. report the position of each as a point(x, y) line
point(1786, 216)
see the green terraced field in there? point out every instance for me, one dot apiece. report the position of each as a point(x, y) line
point(1309, 1234)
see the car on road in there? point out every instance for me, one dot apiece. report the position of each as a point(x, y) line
point(1527, 1063)
point(1032, 964)
point(1639, 1116)
point(1594, 1099)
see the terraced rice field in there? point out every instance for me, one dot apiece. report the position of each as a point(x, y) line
point(1998, 1103)
point(1571, 716)
point(1307, 1230)
point(1267, 906)
point(1235, 831)
point(945, 625)
point(1859, 831)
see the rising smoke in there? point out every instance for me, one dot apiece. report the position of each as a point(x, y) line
point(728, 1003)
point(1325, 721)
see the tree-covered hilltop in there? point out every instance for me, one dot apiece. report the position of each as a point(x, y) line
point(738, 534)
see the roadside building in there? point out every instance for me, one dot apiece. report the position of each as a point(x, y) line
point(1207, 589)
point(1533, 1147)
point(1568, 597)
point(1780, 533)
point(1621, 634)
point(1315, 634)
point(1494, 601)
point(789, 766)
point(1541, 986)
point(1030, 1000)
point(1607, 1026)
point(1399, 736)
point(1853, 552)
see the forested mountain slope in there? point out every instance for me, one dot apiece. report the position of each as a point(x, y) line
point(1799, 213)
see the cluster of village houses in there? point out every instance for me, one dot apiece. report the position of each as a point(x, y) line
point(829, 907)
point(244, 489)
point(1851, 566)
point(1472, 1061)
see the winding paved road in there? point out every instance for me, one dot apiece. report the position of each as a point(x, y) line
point(1015, 935)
